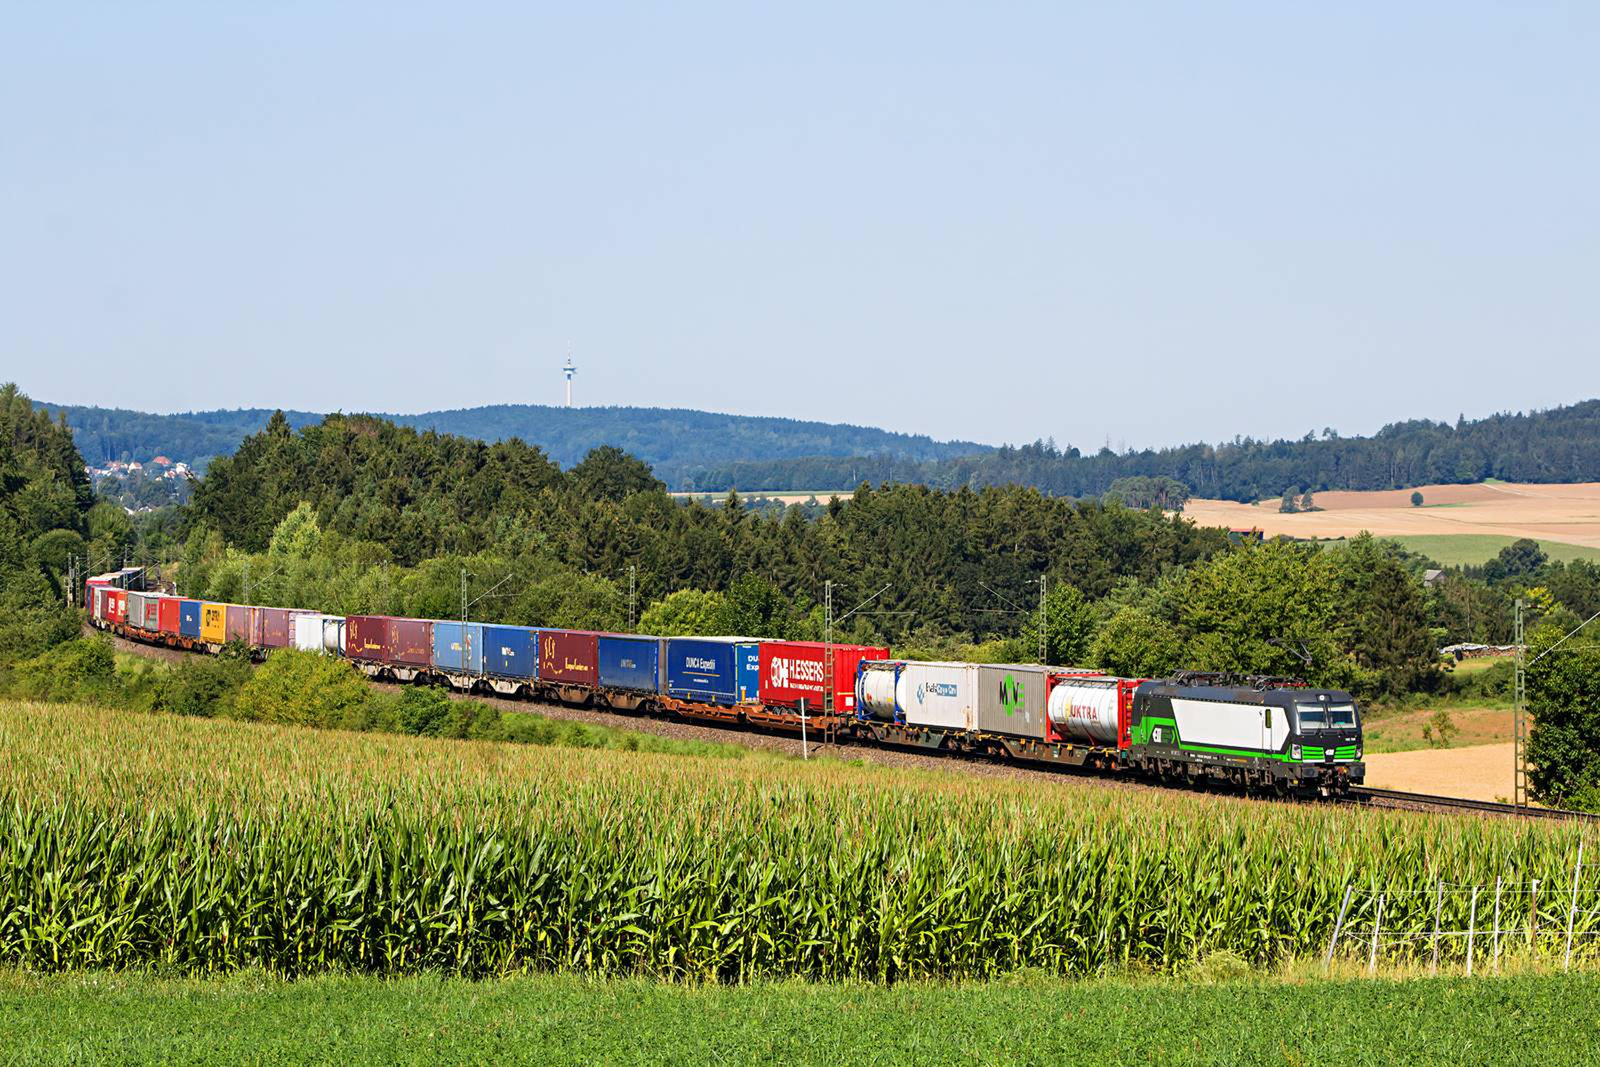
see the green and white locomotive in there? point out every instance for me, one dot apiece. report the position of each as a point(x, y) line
point(1264, 733)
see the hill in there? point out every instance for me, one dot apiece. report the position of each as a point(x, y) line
point(1558, 445)
point(677, 443)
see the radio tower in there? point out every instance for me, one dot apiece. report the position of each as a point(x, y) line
point(569, 370)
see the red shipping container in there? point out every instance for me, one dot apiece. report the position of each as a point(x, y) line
point(367, 637)
point(167, 615)
point(272, 627)
point(116, 605)
point(792, 671)
point(571, 656)
point(411, 642)
point(237, 623)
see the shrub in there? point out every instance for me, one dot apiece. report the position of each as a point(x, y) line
point(305, 688)
point(203, 685)
point(83, 668)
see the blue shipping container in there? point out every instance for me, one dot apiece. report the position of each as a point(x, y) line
point(713, 671)
point(458, 649)
point(631, 663)
point(510, 651)
point(189, 618)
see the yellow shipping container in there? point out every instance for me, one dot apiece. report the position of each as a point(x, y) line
point(214, 623)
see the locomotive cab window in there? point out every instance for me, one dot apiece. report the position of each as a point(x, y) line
point(1326, 716)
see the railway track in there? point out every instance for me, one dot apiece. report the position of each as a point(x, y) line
point(1363, 796)
point(1401, 801)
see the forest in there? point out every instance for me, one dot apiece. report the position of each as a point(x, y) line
point(1559, 445)
point(675, 442)
point(357, 513)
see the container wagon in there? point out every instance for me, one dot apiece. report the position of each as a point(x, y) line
point(711, 677)
point(569, 664)
point(510, 659)
point(795, 671)
point(629, 671)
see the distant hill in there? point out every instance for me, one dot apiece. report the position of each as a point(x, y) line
point(676, 443)
point(1558, 445)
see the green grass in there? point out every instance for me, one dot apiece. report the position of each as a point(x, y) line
point(82, 1018)
point(1451, 550)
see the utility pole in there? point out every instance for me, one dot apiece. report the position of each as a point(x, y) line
point(1519, 696)
point(463, 620)
point(1044, 618)
point(245, 594)
point(633, 595)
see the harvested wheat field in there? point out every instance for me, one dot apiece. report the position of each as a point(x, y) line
point(1476, 772)
point(1457, 523)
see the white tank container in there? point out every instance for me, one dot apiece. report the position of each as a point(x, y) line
point(333, 634)
point(875, 689)
point(1085, 709)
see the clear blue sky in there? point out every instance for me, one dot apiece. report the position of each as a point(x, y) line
point(1141, 223)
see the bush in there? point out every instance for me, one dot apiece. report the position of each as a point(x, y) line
point(83, 669)
point(203, 685)
point(306, 689)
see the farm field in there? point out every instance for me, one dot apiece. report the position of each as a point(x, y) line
point(1457, 524)
point(94, 1017)
point(305, 851)
point(1475, 772)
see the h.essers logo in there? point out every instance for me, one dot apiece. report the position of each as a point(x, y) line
point(787, 672)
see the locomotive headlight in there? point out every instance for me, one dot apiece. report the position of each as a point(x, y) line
point(1358, 752)
point(1294, 751)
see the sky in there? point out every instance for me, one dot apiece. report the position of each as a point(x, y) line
point(1134, 224)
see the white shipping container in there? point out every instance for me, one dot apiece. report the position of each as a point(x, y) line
point(938, 694)
point(308, 633)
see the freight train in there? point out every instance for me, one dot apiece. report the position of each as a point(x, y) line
point(1259, 734)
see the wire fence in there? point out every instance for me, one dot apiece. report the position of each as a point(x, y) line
point(1477, 927)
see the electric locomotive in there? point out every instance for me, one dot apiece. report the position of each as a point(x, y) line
point(1264, 733)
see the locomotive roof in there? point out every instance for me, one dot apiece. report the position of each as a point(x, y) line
point(1242, 694)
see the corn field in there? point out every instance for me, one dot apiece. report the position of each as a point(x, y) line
point(201, 846)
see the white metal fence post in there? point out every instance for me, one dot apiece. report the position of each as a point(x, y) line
point(1497, 887)
point(1337, 925)
point(1572, 912)
point(1438, 913)
point(1472, 926)
point(1377, 921)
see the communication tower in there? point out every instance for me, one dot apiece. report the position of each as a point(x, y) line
point(569, 370)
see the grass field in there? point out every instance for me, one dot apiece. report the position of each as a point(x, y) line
point(79, 1018)
point(1452, 550)
point(199, 846)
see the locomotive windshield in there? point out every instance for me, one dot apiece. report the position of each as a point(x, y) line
point(1326, 716)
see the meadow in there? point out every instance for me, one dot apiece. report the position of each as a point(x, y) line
point(254, 1018)
point(199, 846)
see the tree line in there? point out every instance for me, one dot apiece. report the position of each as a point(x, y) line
point(1559, 445)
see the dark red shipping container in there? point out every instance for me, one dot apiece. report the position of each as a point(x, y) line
point(272, 627)
point(571, 656)
point(411, 642)
point(237, 622)
point(792, 671)
point(167, 615)
point(367, 637)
